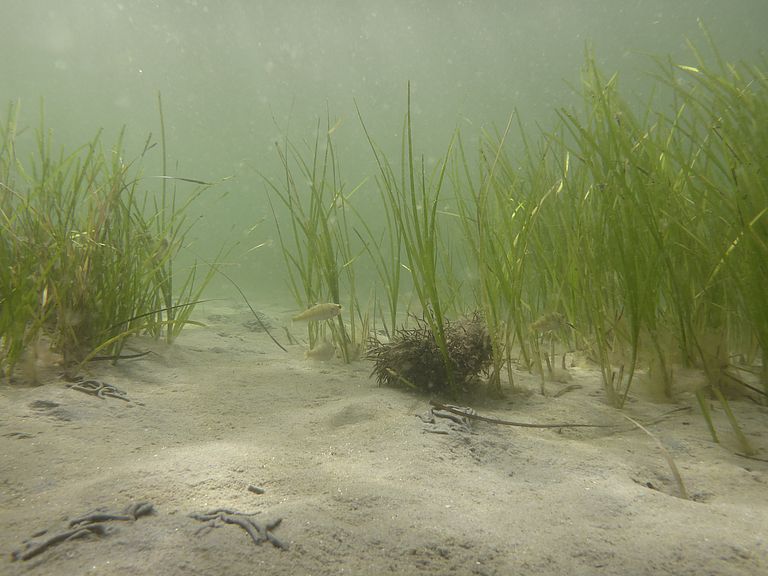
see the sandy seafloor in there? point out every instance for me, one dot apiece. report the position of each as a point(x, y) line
point(361, 483)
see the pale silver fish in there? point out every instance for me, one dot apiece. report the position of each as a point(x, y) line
point(319, 312)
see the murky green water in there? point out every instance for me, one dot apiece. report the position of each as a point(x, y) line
point(237, 76)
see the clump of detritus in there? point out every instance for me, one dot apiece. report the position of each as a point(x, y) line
point(412, 357)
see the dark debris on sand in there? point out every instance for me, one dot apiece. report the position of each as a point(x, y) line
point(412, 358)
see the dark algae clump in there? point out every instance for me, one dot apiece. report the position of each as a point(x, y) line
point(412, 358)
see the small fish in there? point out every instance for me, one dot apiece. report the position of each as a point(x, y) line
point(319, 312)
point(322, 352)
point(549, 323)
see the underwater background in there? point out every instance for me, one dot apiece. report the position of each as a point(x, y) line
point(237, 77)
point(554, 212)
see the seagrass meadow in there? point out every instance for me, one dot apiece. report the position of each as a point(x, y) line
point(384, 287)
point(88, 257)
point(632, 233)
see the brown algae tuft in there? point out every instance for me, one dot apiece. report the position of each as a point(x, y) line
point(413, 359)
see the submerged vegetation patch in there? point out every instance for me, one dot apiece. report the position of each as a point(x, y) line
point(634, 234)
point(642, 228)
point(87, 253)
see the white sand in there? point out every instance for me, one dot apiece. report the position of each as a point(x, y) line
point(361, 486)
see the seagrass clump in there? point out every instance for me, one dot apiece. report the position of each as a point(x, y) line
point(413, 359)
